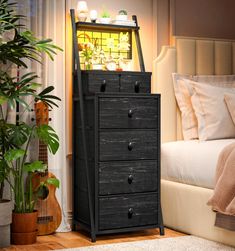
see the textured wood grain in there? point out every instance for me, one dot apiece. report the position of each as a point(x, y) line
point(128, 177)
point(115, 82)
point(95, 82)
point(110, 130)
point(114, 145)
point(114, 211)
point(49, 211)
point(128, 83)
point(82, 239)
point(128, 112)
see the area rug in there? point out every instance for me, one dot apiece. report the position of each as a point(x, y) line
point(184, 243)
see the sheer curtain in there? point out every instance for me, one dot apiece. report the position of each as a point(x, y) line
point(46, 18)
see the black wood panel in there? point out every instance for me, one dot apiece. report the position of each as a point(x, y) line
point(128, 211)
point(96, 82)
point(128, 145)
point(127, 177)
point(128, 112)
point(136, 83)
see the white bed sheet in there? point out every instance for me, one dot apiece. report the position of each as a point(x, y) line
point(191, 162)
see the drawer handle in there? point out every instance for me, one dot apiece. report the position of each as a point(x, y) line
point(103, 86)
point(130, 113)
point(137, 86)
point(130, 179)
point(130, 146)
point(130, 212)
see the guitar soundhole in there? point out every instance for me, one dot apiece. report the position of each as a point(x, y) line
point(43, 192)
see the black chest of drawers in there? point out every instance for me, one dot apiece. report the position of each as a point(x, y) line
point(122, 121)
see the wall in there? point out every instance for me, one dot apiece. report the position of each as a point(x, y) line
point(195, 18)
point(204, 18)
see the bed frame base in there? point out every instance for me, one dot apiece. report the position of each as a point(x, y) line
point(185, 209)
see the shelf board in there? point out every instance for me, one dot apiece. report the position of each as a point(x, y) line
point(109, 27)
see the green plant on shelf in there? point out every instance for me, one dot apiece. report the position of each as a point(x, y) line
point(105, 14)
point(87, 52)
point(122, 12)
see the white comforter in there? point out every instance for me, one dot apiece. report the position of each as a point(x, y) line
point(192, 162)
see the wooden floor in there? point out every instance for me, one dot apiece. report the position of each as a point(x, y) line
point(81, 239)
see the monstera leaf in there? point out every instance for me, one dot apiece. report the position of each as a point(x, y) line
point(18, 134)
point(36, 166)
point(49, 137)
point(14, 154)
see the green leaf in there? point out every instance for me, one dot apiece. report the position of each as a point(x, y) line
point(36, 166)
point(53, 181)
point(14, 154)
point(3, 100)
point(4, 170)
point(49, 137)
point(35, 85)
point(46, 90)
point(19, 134)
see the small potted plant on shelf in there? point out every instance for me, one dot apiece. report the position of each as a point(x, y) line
point(105, 17)
point(21, 91)
point(122, 15)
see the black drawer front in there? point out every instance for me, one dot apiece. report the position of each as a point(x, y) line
point(127, 177)
point(140, 83)
point(128, 145)
point(128, 211)
point(128, 112)
point(103, 83)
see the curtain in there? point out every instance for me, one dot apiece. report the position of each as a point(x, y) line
point(46, 19)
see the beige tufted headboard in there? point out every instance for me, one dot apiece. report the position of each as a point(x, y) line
point(194, 56)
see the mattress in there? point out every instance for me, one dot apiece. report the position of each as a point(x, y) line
point(191, 162)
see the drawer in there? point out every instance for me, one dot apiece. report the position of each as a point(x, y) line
point(139, 83)
point(128, 211)
point(128, 145)
point(97, 82)
point(128, 112)
point(128, 177)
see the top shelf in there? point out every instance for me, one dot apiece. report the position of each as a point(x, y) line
point(110, 27)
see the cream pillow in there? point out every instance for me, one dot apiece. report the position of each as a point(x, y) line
point(214, 121)
point(183, 92)
point(184, 103)
point(230, 102)
point(211, 79)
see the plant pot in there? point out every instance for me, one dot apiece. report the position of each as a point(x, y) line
point(121, 17)
point(5, 221)
point(24, 228)
point(105, 20)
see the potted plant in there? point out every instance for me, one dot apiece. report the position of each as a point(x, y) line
point(105, 17)
point(122, 15)
point(20, 92)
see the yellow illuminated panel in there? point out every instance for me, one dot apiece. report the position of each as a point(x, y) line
point(104, 45)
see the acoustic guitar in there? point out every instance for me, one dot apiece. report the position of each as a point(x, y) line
point(49, 211)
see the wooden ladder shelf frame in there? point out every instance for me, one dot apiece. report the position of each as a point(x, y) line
point(77, 72)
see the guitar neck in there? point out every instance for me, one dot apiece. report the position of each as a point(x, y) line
point(43, 154)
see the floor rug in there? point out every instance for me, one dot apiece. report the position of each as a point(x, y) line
point(184, 243)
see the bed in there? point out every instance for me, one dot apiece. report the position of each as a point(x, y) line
point(184, 201)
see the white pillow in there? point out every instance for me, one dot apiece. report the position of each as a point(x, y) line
point(183, 92)
point(214, 120)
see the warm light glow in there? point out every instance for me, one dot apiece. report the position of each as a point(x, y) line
point(82, 6)
point(93, 15)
